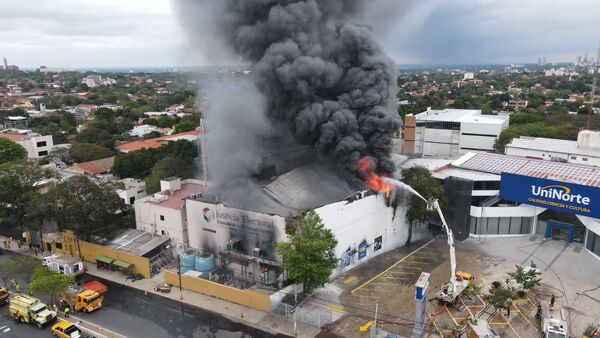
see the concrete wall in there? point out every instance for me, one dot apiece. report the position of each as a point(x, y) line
point(90, 251)
point(438, 142)
point(366, 219)
point(250, 298)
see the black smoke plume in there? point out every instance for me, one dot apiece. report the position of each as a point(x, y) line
point(319, 71)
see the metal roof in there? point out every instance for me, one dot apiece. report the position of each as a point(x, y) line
point(137, 242)
point(498, 163)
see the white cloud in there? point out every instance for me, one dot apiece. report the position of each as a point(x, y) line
point(97, 33)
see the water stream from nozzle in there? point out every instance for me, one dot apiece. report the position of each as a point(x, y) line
point(404, 186)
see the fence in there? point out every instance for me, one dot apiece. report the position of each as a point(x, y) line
point(308, 315)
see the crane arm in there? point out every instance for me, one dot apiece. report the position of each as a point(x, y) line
point(434, 203)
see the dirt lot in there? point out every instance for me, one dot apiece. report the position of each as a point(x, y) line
point(388, 281)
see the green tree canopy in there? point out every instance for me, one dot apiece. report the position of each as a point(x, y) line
point(309, 255)
point(139, 164)
point(84, 206)
point(95, 136)
point(48, 282)
point(168, 167)
point(11, 151)
point(502, 298)
point(420, 179)
point(18, 187)
point(83, 152)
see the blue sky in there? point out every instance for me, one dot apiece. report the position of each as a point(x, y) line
point(128, 33)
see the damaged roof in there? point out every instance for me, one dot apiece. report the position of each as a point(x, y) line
point(309, 186)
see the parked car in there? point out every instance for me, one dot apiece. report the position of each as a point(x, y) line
point(66, 330)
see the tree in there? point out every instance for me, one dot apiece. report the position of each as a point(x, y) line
point(11, 151)
point(528, 279)
point(420, 179)
point(183, 127)
point(18, 187)
point(502, 298)
point(83, 152)
point(84, 206)
point(168, 167)
point(25, 267)
point(48, 282)
point(309, 255)
point(95, 136)
point(152, 134)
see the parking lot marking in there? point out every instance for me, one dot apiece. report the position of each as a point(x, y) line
point(393, 266)
point(450, 314)
point(349, 280)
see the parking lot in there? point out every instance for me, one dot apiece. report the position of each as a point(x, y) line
point(387, 282)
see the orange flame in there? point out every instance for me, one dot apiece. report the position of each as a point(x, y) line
point(373, 181)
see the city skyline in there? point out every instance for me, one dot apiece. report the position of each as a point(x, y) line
point(137, 33)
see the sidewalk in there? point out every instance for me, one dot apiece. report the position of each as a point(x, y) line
point(271, 323)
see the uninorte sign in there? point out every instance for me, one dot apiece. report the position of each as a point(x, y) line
point(556, 195)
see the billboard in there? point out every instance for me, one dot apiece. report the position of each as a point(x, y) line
point(556, 195)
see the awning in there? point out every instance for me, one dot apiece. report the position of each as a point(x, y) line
point(122, 264)
point(105, 259)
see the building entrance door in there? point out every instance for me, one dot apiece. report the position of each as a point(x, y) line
point(558, 230)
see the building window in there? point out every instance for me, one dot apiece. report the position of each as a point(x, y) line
point(162, 232)
point(58, 245)
point(41, 144)
point(162, 218)
point(573, 157)
point(584, 158)
point(42, 153)
point(593, 243)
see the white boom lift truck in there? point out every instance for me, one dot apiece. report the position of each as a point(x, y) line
point(459, 281)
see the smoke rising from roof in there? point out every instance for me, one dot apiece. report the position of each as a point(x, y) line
point(319, 71)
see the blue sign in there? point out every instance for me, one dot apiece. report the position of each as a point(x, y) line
point(362, 250)
point(556, 195)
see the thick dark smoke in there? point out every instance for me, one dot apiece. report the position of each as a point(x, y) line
point(318, 71)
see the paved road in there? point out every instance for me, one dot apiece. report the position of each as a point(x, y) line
point(129, 313)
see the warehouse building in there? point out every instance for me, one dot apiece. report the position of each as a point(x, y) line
point(500, 195)
point(249, 218)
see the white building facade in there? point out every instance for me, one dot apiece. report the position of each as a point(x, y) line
point(586, 150)
point(451, 131)
point(35, 144)
point(132, 191)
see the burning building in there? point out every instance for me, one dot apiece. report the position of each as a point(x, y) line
point(248, 217)
point(320, 95)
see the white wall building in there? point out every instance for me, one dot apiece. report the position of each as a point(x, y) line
point(468, 76)
point(163, 213)
point(586, 150)
point(362, 223)
point(132, 191)
point(451, 131)
point(97, 80)
point(36, 145)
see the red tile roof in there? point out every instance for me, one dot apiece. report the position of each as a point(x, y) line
point(176, 201)
point(101, 166)
point(153, 143)
point(15, 137)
